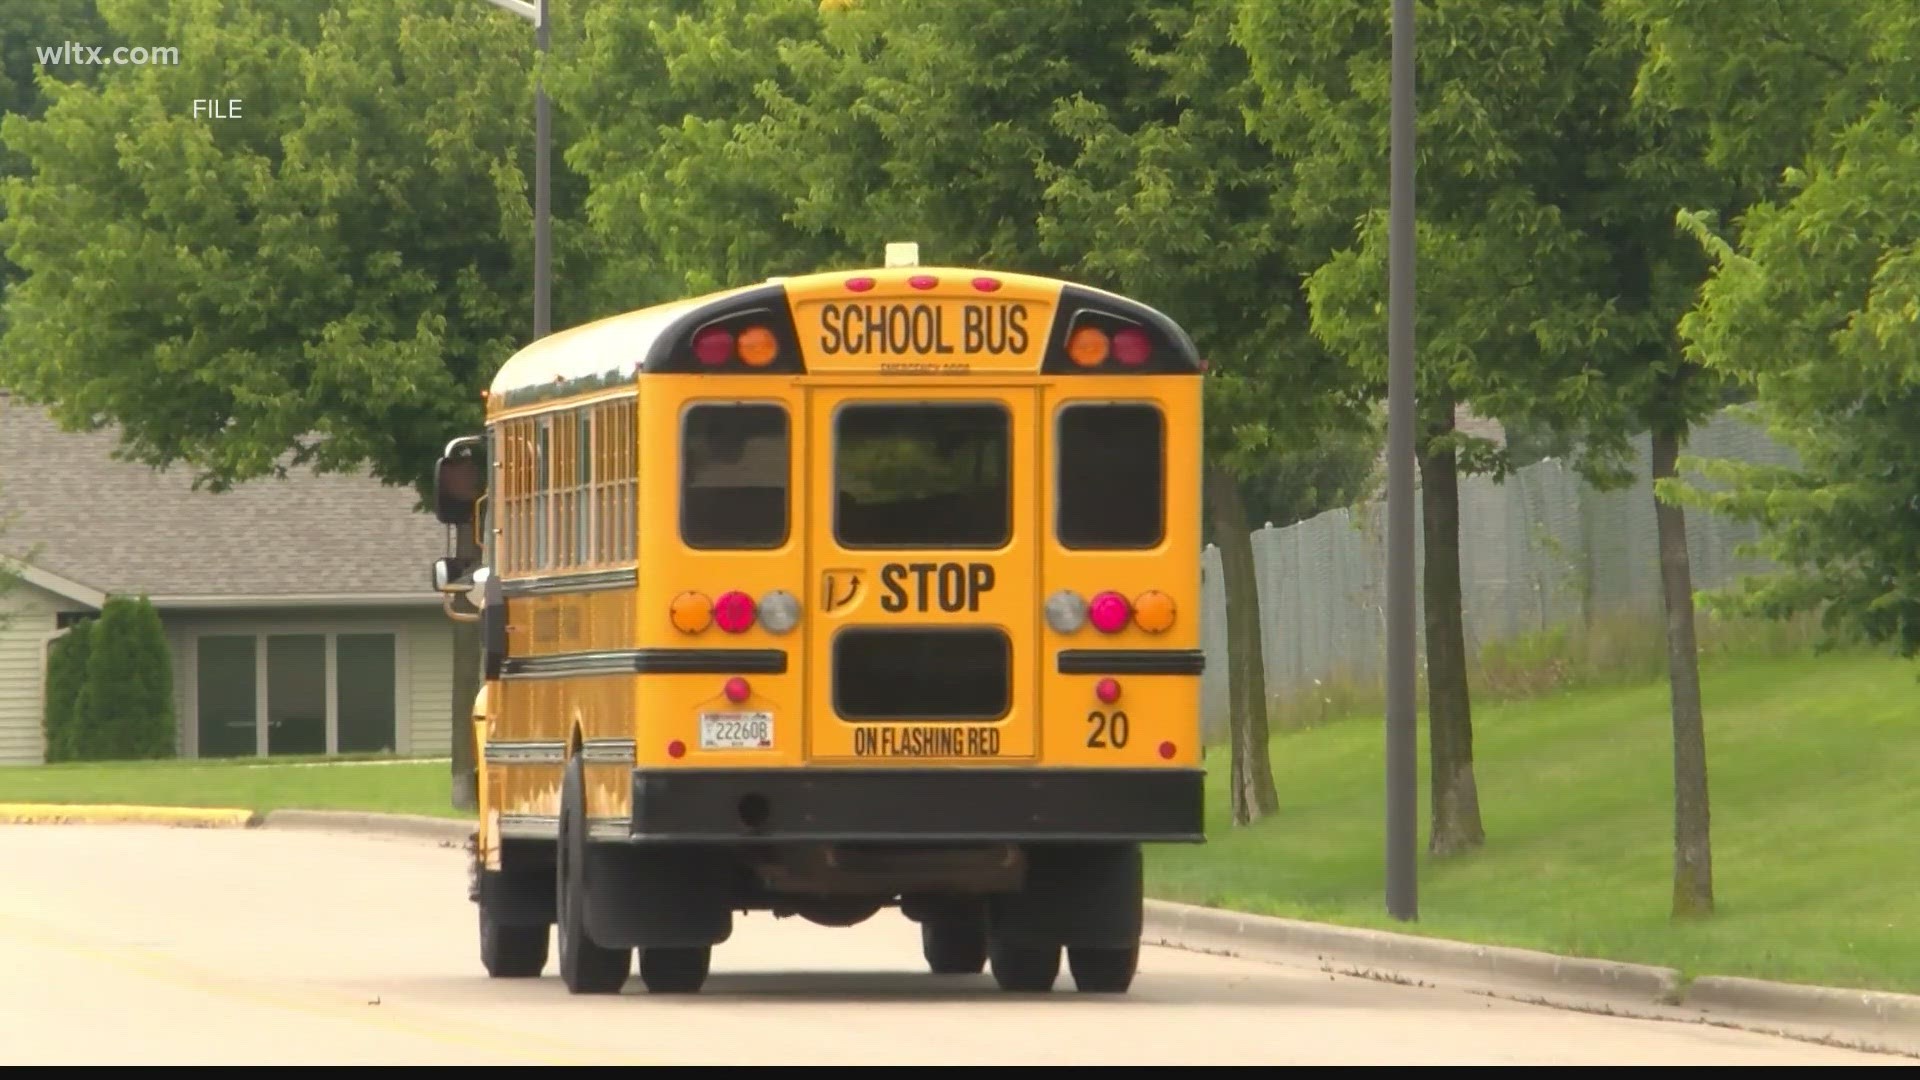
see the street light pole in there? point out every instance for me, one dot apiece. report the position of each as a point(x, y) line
point(536, 13)
point(1402, 777)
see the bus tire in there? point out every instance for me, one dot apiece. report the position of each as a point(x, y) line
point(675, 971)
point(1103, 971)
point(512, 951)
point(1027, 969)
point(955, 944)
point(586, 968)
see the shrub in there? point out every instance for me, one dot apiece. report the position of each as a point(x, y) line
point(66, 674)
point(125, 707)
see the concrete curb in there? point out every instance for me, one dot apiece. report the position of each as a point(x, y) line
point(78, 814)
point(1717, 993)
point(1404, 952)
point(412, 826)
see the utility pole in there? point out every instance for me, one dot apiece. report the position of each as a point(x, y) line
point(1403, 782)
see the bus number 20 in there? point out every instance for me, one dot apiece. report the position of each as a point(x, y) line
point(1109, 730)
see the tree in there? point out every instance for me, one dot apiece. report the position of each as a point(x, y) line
point(124, 710)
point(1811, 298)
point(794, 136)
point(327, 282)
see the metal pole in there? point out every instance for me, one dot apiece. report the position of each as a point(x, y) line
point(542, 178)
point(1402, 779)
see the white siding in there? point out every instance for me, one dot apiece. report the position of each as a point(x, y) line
point(30, 617)
point(430, 664)
point(423, 674)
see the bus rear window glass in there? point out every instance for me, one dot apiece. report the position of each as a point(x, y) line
point(733, 476)
point(1111, 487)
point(932, 475)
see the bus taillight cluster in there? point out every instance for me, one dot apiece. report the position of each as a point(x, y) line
point(1091, 346)
point(754, 346)
point(1109, 611)
point(735, 612)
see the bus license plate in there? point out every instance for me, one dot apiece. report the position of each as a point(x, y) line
point(736, 731)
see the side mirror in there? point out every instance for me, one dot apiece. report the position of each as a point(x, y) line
point(458, 482)
point(448, 572)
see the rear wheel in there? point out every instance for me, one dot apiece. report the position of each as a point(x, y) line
point(675, 971)
point(1103, 971)
point(512, 951)
point(585, 967)
point(1025, 968)
point(955, 944)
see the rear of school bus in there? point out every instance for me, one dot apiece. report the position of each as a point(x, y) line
point(922, 579)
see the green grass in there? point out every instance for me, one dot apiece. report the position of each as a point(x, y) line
point(379, 785)
point(1814, 777)
point(1815, 784)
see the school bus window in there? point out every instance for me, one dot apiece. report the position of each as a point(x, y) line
point(1111, 483)
point(944, 674)
point(734, 467)
point(922, 475)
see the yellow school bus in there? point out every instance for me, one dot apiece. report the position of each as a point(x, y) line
point(851, 591)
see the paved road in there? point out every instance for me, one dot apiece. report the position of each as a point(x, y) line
point(147, 945)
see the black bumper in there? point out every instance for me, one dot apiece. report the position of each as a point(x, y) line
point(756, 806)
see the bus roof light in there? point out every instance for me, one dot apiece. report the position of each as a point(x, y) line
point(713, 346)
point(1109, 612)
point(923, 281)
point(734, 612)
point(758, 347)
point(1132, 346)
point(859, 284)
point(986, 284)
point(1088, 346)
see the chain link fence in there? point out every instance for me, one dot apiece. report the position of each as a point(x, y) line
point(1541, 548)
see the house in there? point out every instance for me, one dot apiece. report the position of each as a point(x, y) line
point(300, 613)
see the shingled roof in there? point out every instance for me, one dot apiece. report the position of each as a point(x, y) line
point(121, 527)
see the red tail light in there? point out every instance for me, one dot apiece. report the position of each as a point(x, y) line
point(713, 346)
point(737, 690)
point(733, 612)
point(1107, 690)
point(1108, 612)
point(1132, 347)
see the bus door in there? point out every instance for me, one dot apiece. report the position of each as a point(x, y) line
point(924, 556)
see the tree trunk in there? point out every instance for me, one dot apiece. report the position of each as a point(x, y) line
point(1251, 771)
point(1456, 798)
point(466, 685)
point(1692, 839)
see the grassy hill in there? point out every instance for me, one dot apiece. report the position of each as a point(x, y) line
point(1814, 774)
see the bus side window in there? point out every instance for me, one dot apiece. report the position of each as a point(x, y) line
point(1110, 488)
point(734, 464)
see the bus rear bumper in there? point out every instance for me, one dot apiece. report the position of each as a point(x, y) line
point(761, 806)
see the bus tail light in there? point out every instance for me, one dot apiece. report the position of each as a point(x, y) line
point(1167, 750)
point(1109, 612)
point(779, 611)
point(734, 612)
point(1153, 611)
point(713, 346)
point(1066, 611)
point(1132, 347)
point(737, 690)
point(691, 612)
point(1107, 690)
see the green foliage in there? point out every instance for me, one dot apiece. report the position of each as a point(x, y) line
point(1814, 292)
point(328, 280)
point(124, 708)
point(66, 675)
